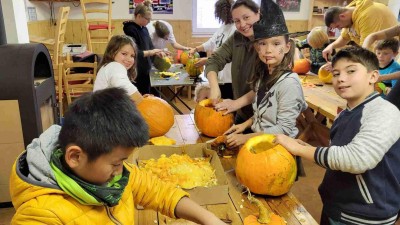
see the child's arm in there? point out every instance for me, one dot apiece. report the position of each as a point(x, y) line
point(232, 105)
point(296, 147)
point(189, 210)
point(390, 76)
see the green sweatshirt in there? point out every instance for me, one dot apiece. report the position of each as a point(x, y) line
point(238, 50)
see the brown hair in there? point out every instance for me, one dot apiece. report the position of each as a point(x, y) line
point(317, 38)
point(113, 46)
point(161, 29)
point(223, 11)
point(392, 44)
point(332, 14)
point(246, 3)
point(261, 72)
point(358, 55)
point(143, 8)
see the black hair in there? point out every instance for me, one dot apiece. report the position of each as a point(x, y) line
point(358, 55)
point(100, 121)
point(392, 44)
point(332, 14)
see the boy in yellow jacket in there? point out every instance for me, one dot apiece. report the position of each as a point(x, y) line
point(76, 174)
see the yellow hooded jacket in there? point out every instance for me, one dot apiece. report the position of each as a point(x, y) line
point(368, 17)
point(38, 201)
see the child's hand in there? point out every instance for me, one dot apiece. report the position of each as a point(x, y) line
point(387, 90)
point(236, 129)
point(327, 52)
point(215, 95)
point(235, 140)
point(327, 66)
point(291, 144)
point(192, 51)
point(201, 62)
point(227, 104)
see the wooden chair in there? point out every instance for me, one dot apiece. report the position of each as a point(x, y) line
point(55, 46)
point(76, 82)
point(97, 15)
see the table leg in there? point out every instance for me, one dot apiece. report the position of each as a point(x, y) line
point(169, 101)
point(176, 95)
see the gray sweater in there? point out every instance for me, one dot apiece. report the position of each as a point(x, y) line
point(279, 108)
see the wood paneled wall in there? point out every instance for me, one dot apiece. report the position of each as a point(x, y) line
point(182, 30)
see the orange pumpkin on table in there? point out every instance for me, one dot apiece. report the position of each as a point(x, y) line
point(265, 217)
point(301, 66)
point(209, 121)
point(184, 57)
point(324, 75)
point(158, 115)
point(264, 167)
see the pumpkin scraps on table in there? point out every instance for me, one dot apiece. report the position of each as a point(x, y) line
point(265, 217)
point(181, 170)
point(162, 140)
point(220, 146)
point(167, 75)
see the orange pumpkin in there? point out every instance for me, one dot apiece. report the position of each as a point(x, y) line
point(265, 217)
point(264, 167)
point(178, 56)
point(301, 66)
point(209, 121)
point(191, 69)
point(185, 57)
point(158, 114)
point(324, 75)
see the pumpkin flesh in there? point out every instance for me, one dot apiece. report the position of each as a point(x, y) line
point(264, 167)
point(324, 75)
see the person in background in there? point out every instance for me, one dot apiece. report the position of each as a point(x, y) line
point(201, 92)
point(78, 174)
point(118, 67)
point(222, 14)
point(357, 20)
point(361, 183)
point(317, 40)
point(276, 96)
point(391, 32)
point(239, 51)
point(161, 33)
point(137, 30)
point(386, 51)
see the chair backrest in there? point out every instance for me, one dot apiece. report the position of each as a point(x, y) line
point(59, 39)
point(76, 84)
point(97, 15)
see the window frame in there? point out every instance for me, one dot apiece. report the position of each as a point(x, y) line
point(196, 31)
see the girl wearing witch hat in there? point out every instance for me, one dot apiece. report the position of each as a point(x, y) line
point(276, 96)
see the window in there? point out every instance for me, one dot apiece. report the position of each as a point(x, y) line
point(203, 19)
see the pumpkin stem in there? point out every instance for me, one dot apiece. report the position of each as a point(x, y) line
point(264, 216)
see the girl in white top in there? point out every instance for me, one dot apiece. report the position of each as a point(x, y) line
point(118, 67)
point(223, 14)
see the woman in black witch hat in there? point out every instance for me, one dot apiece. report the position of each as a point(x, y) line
point(276, 95)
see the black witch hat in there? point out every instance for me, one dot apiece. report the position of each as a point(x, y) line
point(272, 22)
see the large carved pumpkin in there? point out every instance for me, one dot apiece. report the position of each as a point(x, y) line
point(264, 167)
point(324, 75)
point(209, 121)
point(265, 217)
point(191, 69)
point(301, 66)
point(158, 114)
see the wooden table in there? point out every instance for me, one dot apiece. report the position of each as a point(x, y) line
point(287, 206)
point(322, 98)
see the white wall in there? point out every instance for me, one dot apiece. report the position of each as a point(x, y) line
point(182, 10)
point(15, 21)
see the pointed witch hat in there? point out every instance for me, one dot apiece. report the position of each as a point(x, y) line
point(272, 22)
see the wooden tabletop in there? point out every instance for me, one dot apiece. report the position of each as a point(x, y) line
point(322, 98)
point(287, 206)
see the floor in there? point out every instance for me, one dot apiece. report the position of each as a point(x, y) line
point(305, 189)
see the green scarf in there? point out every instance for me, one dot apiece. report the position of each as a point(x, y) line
point(86, 193)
